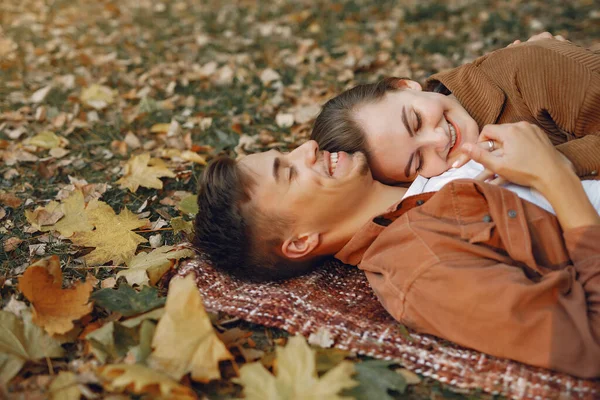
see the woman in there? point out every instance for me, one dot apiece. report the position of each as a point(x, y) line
point(405, 131)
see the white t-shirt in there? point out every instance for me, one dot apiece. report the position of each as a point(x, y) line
point(472, 169)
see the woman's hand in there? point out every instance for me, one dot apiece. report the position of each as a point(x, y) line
point(540, 36)
point(522, 153)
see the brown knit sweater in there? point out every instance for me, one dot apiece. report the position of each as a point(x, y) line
point(553, 84)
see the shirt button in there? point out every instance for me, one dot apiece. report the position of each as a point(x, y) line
point(420, 202)
point(512, 213)
point(487, 218)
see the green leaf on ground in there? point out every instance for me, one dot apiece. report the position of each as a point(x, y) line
point(189, 205)
point(112, 341)
point(375, 379)
point(127, 301)
point(180, 225)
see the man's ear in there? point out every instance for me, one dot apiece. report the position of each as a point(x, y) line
point(399, 83)
point(300, 246)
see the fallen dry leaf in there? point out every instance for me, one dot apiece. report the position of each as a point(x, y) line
point(144, 171)
point(54, 308)
point(12, 243)
point(185, 340)
point(10, 200)
point(20, 341)
point(42, 217)
point(46, 140)
point(64, 387)
point(147, 268)
point(97, 96)
point(113, 239)
point(139, 379)
point(179, 224)
point(75, 217)
point(295, 376)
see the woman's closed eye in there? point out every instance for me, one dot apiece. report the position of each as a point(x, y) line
point(418, 121)
point(419, 162)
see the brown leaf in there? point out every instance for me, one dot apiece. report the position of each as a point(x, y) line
point(10, 200)
point(54, 308)
point(12, 243)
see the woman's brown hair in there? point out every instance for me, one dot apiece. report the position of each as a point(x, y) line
point(336, 129)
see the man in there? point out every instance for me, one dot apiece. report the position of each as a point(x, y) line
point(472, 263)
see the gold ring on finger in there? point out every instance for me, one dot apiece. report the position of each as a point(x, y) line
point(491, 145)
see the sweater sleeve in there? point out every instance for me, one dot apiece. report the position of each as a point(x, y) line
point(560, 85)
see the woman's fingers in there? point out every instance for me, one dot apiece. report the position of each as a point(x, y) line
point(485, 175)
point(480, 155)
point(485, 145)
point(498, 181)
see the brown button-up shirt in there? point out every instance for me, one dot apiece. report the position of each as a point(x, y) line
point(477, 265)
point(553, 84)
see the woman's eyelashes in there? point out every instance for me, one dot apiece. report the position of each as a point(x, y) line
point(419, 165)
point(418, 118)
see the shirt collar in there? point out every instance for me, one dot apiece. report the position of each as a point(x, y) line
point(352, 253)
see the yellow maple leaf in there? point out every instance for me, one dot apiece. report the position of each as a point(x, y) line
point(67, 217)
point(54, 308)
point(144, 171)
point(97, 96)
point(47, 140)
point(147, 268)
point(112, 238)
point(41, 217)
point(75, 216)
point(184, 340)
point(139, 379)
point(295, 376)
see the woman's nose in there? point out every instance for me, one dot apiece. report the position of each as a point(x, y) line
point(434, 138)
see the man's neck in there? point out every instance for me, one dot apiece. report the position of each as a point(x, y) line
point(378, 199)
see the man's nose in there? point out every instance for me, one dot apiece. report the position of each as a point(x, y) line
point(307, 152)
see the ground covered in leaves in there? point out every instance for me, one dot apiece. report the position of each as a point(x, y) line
point(108, 112)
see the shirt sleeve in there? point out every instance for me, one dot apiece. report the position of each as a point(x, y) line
point(560, 85)
point(500, 308)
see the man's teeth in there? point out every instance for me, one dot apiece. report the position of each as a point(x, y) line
point(334, 160)
point(453, 134)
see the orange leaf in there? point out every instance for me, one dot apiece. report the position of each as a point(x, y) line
point(54, 308)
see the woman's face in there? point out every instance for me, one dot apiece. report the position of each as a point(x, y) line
point(412, 132)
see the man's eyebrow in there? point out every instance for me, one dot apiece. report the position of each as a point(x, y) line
point(411, 133)
point(276, 165)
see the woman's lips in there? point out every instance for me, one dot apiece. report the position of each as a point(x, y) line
point(458, 141)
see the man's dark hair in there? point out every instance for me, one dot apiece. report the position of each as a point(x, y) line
point(235, 235)
point(336, 128)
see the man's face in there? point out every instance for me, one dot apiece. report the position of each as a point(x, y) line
point(413, 132)
point(307, 184)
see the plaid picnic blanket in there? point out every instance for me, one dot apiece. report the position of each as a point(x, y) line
point(338, 299)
